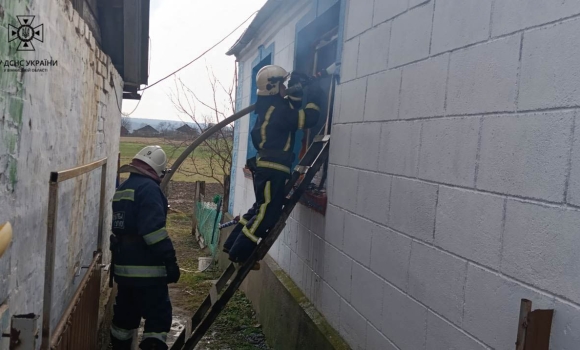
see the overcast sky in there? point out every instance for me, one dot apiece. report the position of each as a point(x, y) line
point(180, 30)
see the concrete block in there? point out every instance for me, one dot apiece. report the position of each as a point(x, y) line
point(317, 255)
point(541, 247)
point(469, 224)
point(309, 282)
point(373, 196)
point(330, 182)
point(411, 35)
point(449, 151)
point(330, 304)
point(382, 100)
point(374, 50)
point(423, 88)
point(359, 17)
point(349, 64)
point(340, 150)
point(317, 222)
point(526, 155)
point(367, 294)
point(352, 106)
point(337, 271)
point(574, 179)
point(483, 78)
point(303, 244)
point(412, 208)
point(492, 305)
point(296, 271)
point(353, 327)
point(458, 23)
point(565, 326)
point(358, 234)
point(404, 320)
point(364, 146)
point(413, 3)
point(443, 335)
point(385, 10)
point(550, 70)
point(437, 279)
point(390, 255)
point(399, 151)
point(285, 257)
point(334, 227)
point(377, 341)
point(511, 16)
point(344, 191)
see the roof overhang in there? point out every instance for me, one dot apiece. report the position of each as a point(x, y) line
point(250, 33)
point(125, 38)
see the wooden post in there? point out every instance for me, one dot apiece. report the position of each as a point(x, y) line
point(525, 309)
point(226, 200)
point(198, 196)
point(534, 328)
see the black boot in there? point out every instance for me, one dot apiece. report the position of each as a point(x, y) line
point(121, 344)
point(152, 344)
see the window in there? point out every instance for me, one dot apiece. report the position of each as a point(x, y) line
point(254, 97)
point(316, 50)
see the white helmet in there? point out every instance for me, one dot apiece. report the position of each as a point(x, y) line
point(155, 157)
point(269, 79)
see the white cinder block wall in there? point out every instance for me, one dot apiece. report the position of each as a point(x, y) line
point(54, 120)
point(454, 186)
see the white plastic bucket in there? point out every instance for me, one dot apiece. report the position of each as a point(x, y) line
point(203, 262)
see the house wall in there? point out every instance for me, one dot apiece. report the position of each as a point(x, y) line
point(454, 179)
point(54, 120)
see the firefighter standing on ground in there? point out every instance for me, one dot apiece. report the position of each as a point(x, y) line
point(144, 260)
point(273, 136)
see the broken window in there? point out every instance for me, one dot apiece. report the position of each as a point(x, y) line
point(317, 50)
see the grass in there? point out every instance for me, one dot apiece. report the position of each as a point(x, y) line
point(236, 327)
point(129, 146)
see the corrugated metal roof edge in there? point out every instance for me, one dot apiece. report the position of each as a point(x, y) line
point(263, 15)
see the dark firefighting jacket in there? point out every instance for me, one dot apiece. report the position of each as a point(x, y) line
point(140, 245)
point(274, 133)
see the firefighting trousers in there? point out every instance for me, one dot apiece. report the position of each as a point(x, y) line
point(133, 303)
point(269, 189)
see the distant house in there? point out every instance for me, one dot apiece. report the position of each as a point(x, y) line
point(146, 131)
point(187, 130)
point(124, 131)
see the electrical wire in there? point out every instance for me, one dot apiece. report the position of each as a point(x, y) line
point(119, 105)
point(203, 54)
point(195, 59)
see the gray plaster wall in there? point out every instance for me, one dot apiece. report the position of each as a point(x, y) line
point(55, 120)
point(454, 178)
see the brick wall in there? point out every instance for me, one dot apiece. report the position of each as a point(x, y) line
point(455, 167)
point(54, 120)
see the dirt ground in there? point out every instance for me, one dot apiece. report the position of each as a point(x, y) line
point(181, 195)
point(236, 327)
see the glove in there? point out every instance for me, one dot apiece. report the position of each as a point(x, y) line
point(315, 93)
point(172, 269)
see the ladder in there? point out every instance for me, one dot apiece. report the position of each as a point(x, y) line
point(216, 301)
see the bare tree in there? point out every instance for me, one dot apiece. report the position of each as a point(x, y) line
point(126, 122)
point(214, 160)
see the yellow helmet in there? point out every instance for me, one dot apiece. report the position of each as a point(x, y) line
point(269, 78)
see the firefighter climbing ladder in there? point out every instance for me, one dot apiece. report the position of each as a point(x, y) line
point(215, 302)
